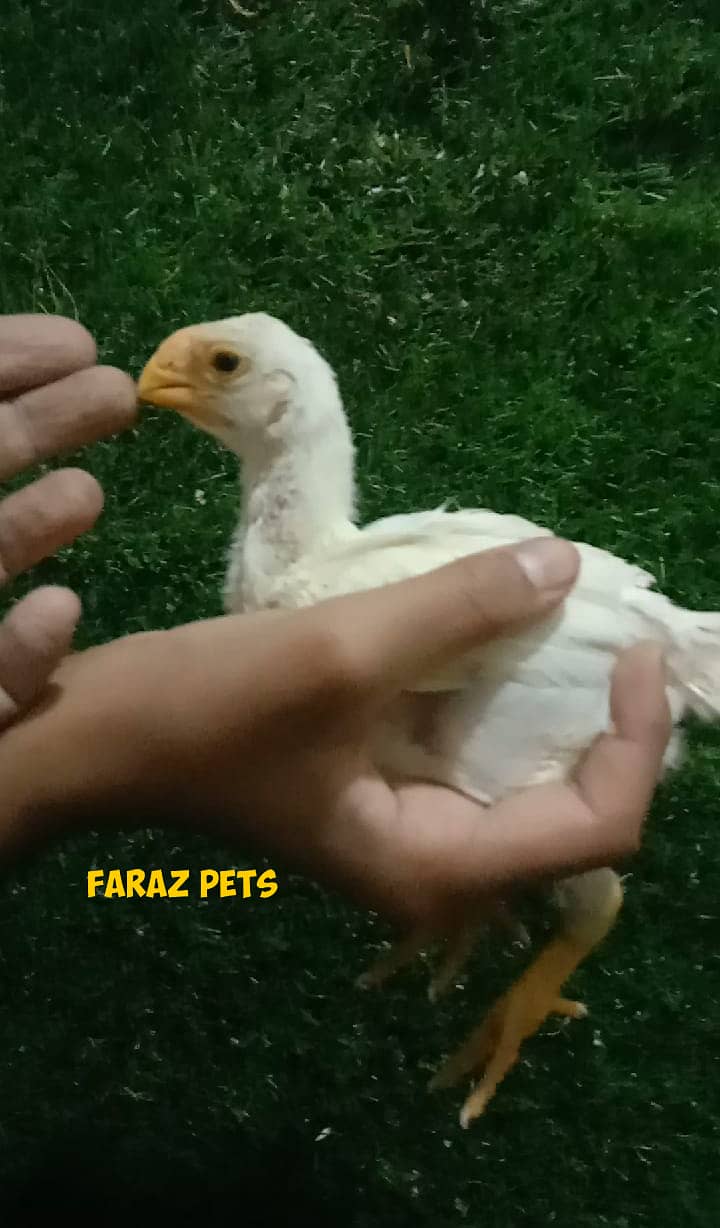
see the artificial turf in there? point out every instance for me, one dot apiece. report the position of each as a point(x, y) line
point(500, 223)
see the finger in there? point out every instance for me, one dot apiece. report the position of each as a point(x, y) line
point(39, 349)
point(597, 818)
point(34, 637)
point(408, 629)
point(427, 850)
point(78, 410)
point(619, 774)
point(38, 520)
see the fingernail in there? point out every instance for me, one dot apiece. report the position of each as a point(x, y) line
point(548, 562)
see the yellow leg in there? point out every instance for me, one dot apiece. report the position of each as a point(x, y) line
point(458, 952)
point(400, 954)
point(591, 902)
point(461, 940)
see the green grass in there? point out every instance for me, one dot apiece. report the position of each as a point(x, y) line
point(509, 249)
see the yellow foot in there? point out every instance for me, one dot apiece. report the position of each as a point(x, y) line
point(494, 1047)
point(570, 1009)
point(462, 939)
point(459, 950)
point(398, 956)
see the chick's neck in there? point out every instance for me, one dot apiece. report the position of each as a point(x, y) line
point(297, 495)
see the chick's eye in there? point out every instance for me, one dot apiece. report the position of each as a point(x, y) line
point(225, 361)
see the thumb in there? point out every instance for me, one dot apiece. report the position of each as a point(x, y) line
point(407, 630)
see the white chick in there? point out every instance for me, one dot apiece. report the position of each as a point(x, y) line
point(518, 712)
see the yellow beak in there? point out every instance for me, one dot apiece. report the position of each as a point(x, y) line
point(163, 385)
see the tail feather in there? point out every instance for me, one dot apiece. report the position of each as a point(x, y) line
point(692, 638)
point(694, 662)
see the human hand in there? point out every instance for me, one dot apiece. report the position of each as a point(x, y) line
point(258, 728)
point(52, 399)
